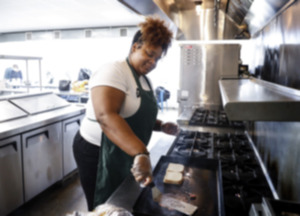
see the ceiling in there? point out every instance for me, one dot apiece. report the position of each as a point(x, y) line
point(33, 15)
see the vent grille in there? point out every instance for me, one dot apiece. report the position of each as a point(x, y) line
point(57, 34)
point(123, 32)
point(88, 33)
point(28, 35)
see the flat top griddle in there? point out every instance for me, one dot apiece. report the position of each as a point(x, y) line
point(202, 178)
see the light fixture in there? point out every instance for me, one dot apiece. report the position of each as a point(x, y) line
point(198, 7)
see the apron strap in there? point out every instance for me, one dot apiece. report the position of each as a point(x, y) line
point(136, 77)
point(92, 120)
point(148, 82)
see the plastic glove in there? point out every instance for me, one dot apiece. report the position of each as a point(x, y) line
point(142, 170)
point(170, 128)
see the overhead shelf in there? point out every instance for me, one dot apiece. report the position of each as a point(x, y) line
point(256, 100)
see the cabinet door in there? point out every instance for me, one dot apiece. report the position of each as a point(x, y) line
point(11, 185)
point(70, 127)
point(42, 158)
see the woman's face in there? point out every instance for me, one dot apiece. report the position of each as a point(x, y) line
point(144, 57)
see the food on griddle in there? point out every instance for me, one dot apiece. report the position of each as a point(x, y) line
point(192, 196)
point(175, 167)
point(173, 177)
point(174, 173)
point(178, 205)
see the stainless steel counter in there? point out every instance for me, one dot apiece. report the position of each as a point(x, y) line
point(36, 134)
point(9, 111)
point(20, 125)
point(125, 196)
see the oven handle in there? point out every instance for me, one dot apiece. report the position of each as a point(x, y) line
point(46, 133)
point(13, 144)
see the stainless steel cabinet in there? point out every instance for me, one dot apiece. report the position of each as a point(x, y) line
point(70, 127)
point(11, 185)
point(42, 158)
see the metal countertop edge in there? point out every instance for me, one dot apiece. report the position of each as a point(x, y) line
point(11, 128)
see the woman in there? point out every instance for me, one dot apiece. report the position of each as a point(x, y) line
point(122, 101)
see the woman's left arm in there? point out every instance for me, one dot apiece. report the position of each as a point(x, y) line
point(168, 127)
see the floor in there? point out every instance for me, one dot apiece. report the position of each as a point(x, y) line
point(58, 200)
point(67, 197)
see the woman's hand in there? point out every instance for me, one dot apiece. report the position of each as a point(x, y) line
point(170, 128)
point(141, 169)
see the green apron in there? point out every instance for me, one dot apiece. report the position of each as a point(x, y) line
point(114, 164)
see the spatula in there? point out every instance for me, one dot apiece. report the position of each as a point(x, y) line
point(156, 193)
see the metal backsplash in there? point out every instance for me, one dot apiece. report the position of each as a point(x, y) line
point(278, 55)
point(279, 147)
point(275, 58)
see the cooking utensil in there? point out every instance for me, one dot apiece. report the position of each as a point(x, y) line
point(156, 194)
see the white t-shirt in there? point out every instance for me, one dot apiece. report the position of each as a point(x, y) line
point(117, 75)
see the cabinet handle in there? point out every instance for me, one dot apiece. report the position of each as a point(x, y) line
point(68, 123)
point(46, 133)
point(13, 144)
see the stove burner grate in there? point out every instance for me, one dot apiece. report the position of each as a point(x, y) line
point(188, 150)
point(193, 144)
point(205, 117)
point(243, 180)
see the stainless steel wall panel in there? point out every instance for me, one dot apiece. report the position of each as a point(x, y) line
point(42, 159)
point(207, 25)
point(275, 58)
point(202, 65)
point(11, 180)
point(279, 146)
point(290, 24)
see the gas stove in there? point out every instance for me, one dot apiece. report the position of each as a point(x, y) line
point(194, 144)
point(243, 180)
point(216, 118)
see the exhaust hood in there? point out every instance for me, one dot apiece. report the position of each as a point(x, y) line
point(211, 19)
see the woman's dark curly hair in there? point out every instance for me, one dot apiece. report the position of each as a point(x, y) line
point(154, 32)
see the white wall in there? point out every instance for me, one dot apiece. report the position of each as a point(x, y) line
point(64, 58)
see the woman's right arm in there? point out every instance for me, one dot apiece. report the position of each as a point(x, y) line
point(107, 102)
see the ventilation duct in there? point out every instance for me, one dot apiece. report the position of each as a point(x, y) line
point(192, 19)
point(211, 19)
